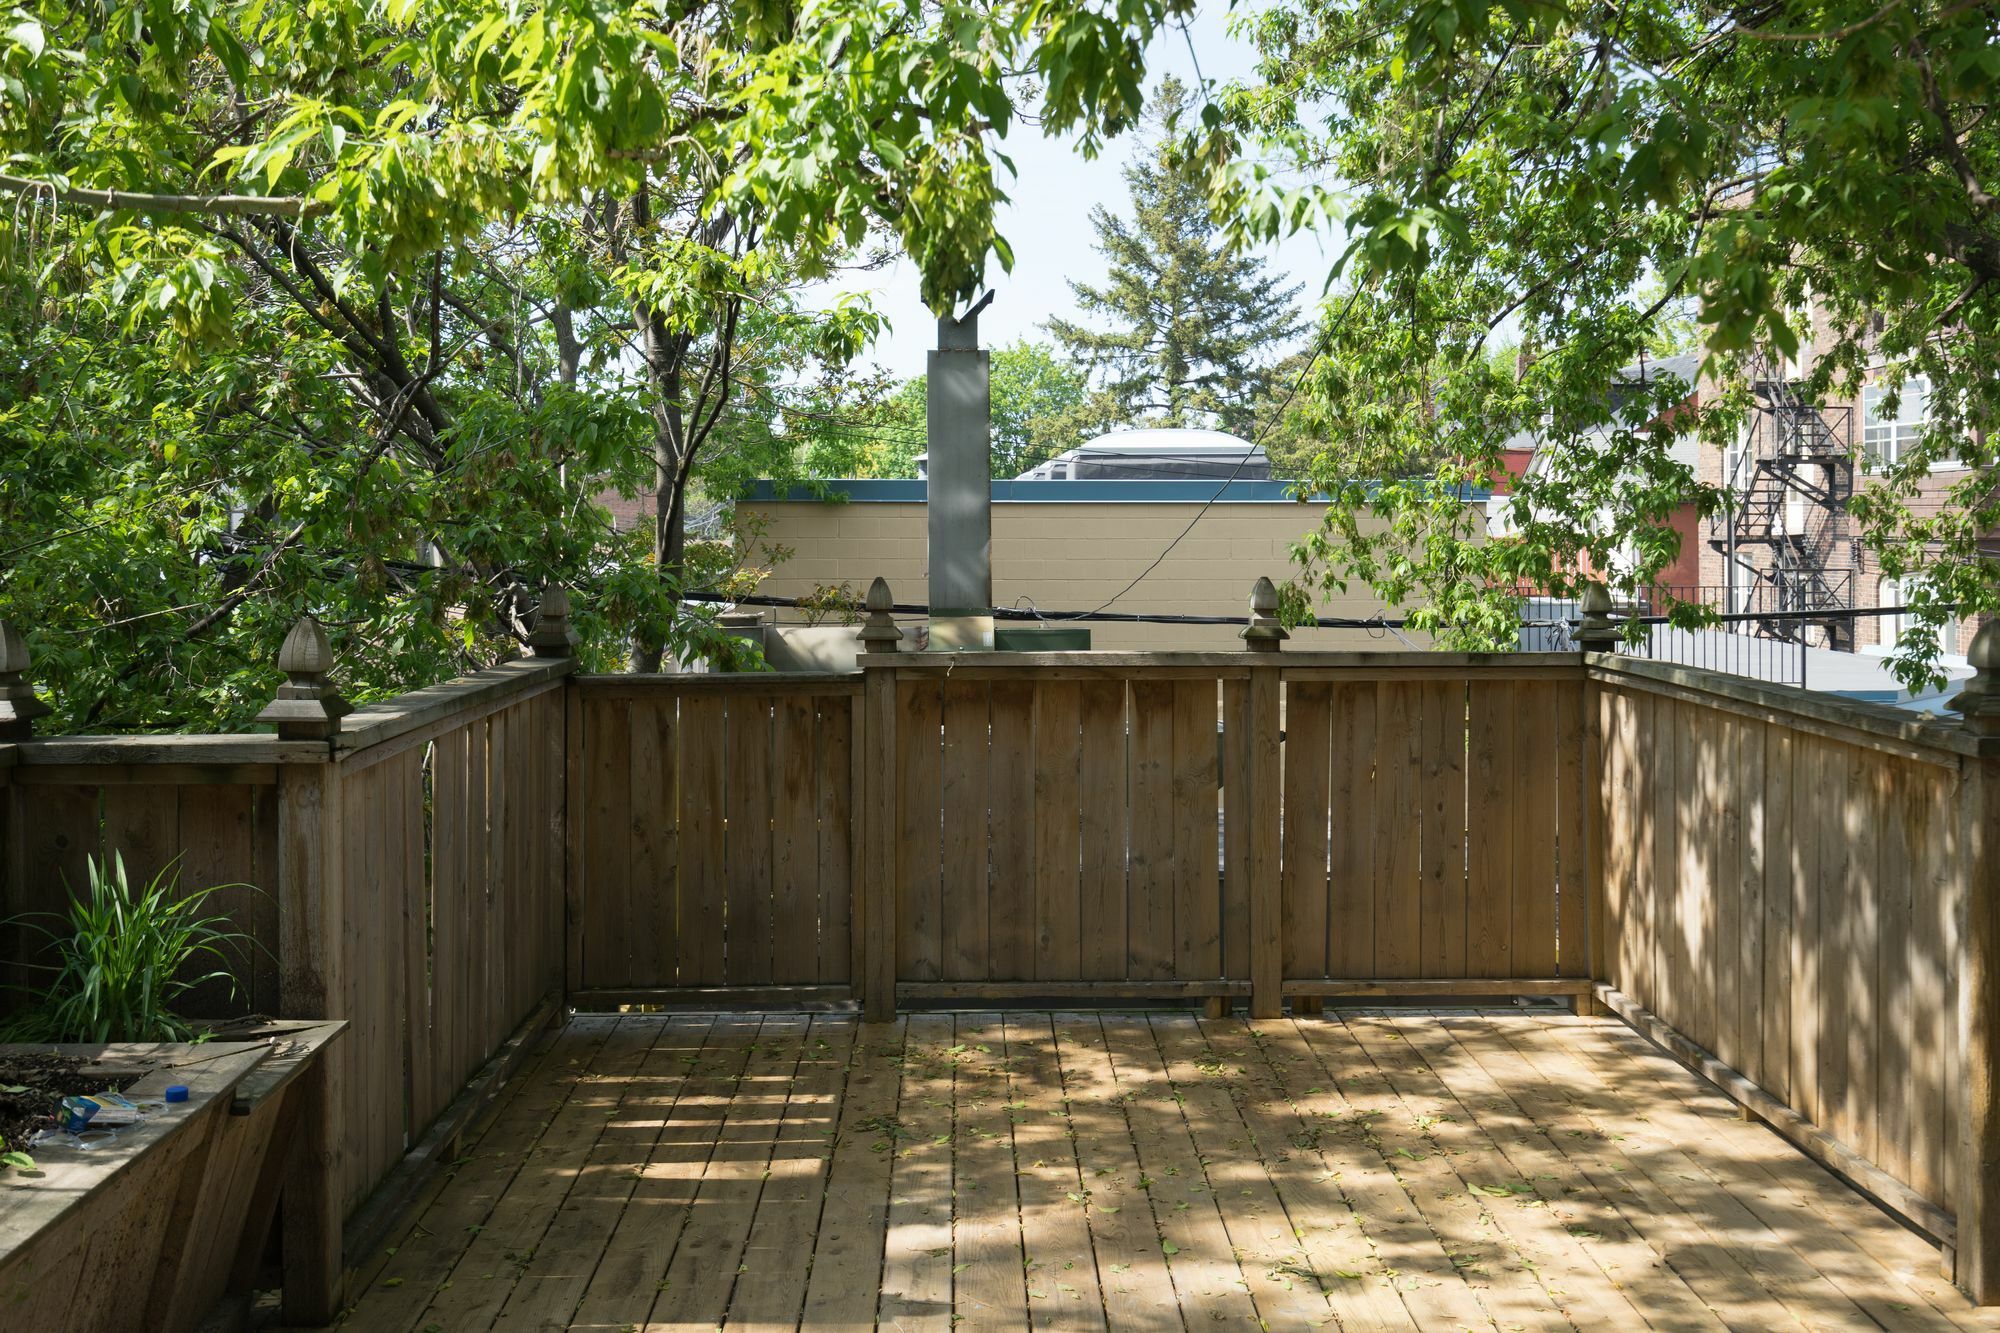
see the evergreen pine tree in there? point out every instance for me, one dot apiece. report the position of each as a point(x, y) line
point(1194, 329)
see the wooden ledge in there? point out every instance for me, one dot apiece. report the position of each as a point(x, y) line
point(1851, 720)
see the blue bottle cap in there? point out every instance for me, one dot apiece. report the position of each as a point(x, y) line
point(177, 1093)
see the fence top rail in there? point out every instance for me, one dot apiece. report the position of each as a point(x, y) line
point(378, 723)
point(148, 750)
point(722, 682)
point(1918, 736)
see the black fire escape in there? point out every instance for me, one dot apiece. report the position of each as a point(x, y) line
point(1783, 533)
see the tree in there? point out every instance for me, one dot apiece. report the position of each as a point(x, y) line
point(352, 307)
point(1570, 174)
point(1194, 324)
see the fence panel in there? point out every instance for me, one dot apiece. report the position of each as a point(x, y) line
point(1786, 891)
point(1433, 823)
point(452, 930)
point(716, 820)
point(209, 826)
point(1062, 828)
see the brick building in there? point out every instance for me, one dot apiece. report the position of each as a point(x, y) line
point(1787, 542)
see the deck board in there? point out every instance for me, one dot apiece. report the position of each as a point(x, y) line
point(1357, 1170)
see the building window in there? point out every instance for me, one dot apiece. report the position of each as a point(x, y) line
point(1885, 435)
point(1898, 592)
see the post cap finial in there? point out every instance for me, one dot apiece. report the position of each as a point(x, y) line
point(19, 704)
point(878, 632)
point(552, 635)
point(1596, 631)
point(308, 707)
point(1264, 633)
point(1979, 701)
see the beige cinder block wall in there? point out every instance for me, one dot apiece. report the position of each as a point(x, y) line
point(1074, 556)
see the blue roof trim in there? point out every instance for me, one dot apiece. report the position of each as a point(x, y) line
point(872, 491)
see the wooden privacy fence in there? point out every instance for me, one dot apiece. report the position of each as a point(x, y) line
point(1798, 897)
point(400, 867)
point(1004, 826)
point(711, 834)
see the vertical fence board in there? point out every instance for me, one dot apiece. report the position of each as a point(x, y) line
point(1150, 916)
point(964, 898)
point(216, 840)
point(646, 929)
point(836, 789)
point(1197, 834)
point(1103, 779)
point(1573, 802)
point(1534, 764)
point(1057, 815)
point(919, 851)
point(746, 867)
point(1350, 949)
point(1932, 943)
point(1309, 769)
point(1010, 888)
point(451, 948)
point(795, 862)
point(1441, 813)
point(611, 863)
point(1236, 823)
point(1398, 883)
point(1899, 844)
point(1491, 820)
point(699, 892)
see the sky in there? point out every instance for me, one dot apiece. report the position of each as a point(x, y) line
point(1048, 218)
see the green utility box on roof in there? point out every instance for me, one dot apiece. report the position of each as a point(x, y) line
point(1041, 639)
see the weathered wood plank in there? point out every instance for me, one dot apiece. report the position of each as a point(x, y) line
point(1057, 820)
point(701, 887)
point(964, 909)
point(795, 858)
point(1103, 775)
point(919, 849)
point(1010, 888)
point(1441, 816)
point(747, 788)
point(1490, 821)
point(1350, 949)
point(1197, 834)
point(1309, 765)
point(1150, 912)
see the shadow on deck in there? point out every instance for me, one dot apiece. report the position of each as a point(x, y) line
point(1430, 1170)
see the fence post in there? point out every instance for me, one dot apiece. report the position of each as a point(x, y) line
point(312, 971)
point(1596, 632)
point(1266, 637)
point(552, 636)
point(1978, 1256)
point(874, 908)
point(19, 705)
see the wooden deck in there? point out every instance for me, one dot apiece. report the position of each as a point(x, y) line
point(1521, 1169)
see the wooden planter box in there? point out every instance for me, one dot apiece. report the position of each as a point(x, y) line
point(153, 1228)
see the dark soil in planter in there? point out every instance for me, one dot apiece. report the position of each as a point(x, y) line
point(47, 1078)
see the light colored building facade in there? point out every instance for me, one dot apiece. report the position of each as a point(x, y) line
point(1065, 546)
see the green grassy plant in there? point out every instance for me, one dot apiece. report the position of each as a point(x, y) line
point(125, 959)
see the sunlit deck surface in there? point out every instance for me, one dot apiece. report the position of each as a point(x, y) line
point(1518, 1169)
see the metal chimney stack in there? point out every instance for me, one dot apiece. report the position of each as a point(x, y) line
point(959, 416)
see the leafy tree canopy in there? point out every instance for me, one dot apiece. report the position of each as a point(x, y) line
point(1569, 174)
point(354, 306)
